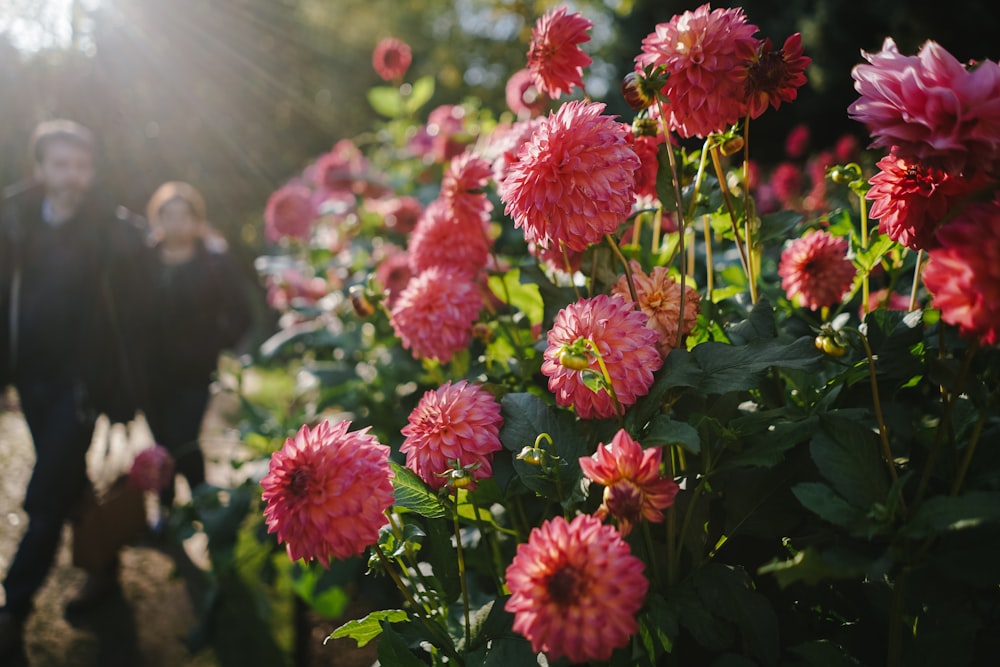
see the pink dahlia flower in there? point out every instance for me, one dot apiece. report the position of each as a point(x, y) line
point(706, 53)
point(523, 96)
point(627, 347)
point(930, 107)
point(648, 149)
point(505, 143)
point(394, 273)
point(462, 188)
point(391, 59)
point(776, 76)
point(456, 426)
point(634, 489)
point(327, 492)
point(400, 214)
point(963, 273)
point(152, 470)
point(575, 589)
point(786, 183)
point(555, 60)
point(434, 315)
point(289, 213)
point(574, 180)
point(445, 239)
point(660, 298)
point(797, 141)
point(911, 200)
point(815, 270)
point(557, 257)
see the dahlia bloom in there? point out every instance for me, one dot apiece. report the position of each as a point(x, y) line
point(963, 274)
point(574, 179)
point(910, 200)
point(786, 183)
point(557, 258)
point(455, 426)
point(394, 273)
point(523, 96)
point(776, 76)
point(627, 347)
point(504, 144)
point(152, 470)
point(930, 107)
point(554, 59)
point(327, 491)
point(814, 270)
point(400, 214)
point(433, 316)
point(345, 169)
point(391, 59)
point(660, 298)
point(461, 188)
point(443, 239)
point(289, 213)
point(575, 589)
point(633, 487)
point(441, 137)
point(647, 148)
point(706, 53)
point(797, 141)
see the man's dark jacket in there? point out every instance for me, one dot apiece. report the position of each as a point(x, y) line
point(75, 301)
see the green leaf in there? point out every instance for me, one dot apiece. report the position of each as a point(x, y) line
point(944, 514)
point(848, 456)
point(727, 592)
point(413, 494)
point(526, 297)
point(811, 566)
point(658, 626)
point(386, 101)
point(823, 653)
point(664, 431)
point(368, 628)
point(824, 502)
point(867, 260)
point(394, 650)
point(422, 92)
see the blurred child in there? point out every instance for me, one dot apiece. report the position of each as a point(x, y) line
point(201, 309)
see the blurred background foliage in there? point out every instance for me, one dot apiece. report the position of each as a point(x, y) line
point(236, 95)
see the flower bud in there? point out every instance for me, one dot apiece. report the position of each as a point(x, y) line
point(829, 346)
point(359, 300)
point(481, 332)
point(573, 359)
point(731, 145)
point(644, 126)
point(634, 90)
point(460, 478)
point(534, 456)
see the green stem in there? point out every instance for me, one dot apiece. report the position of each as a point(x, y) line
point(970, 449)
point(628, 269)
point(727, 198)
point(748, 213)
point(916, 281)
point(648, 535)
point(894, 657)
point(883, 431)
point(461, 574)
point(672, 545)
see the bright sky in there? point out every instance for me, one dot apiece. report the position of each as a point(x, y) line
point(32, 25)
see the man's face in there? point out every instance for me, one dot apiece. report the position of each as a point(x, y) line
point(66, 170)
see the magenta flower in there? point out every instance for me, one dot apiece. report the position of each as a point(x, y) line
point(327, 492)
point(433, 317)
point(456, 426)
point(574, 179)
point(555, 60)
point(393, 274)
point(445, 239)
point(930, 107)
point(575, 589)
point(627, 347)
point(391, 59)
point(400, 214)
point(815, 270)
point(963, 273)
point(776, 76)
point(706, 53)
point(152, 470)
point(289, 213)
point(523, 96)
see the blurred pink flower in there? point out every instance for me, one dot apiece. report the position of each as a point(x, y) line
point(776, 76)
point(930, 107)
point(455, 423)
point(627, 347)
point(400, 214)
point(797, 141)
point(846, 149)
point(634, 488)
point(434, 314)
point(574, 179)
point(462, 189)
point(523, 96)
point(391, 59)
point(442, 137)
point(394, 273)
point(289, 213)
point(815, 271)
point(647, 148)
point(444, 239)
point(557, 258)
point(504, 144)
point(327, 491)
point(706, 53)
point(786, 183)
point(555, 60)
point(883, 298)
point(660, 298)
point(152, 470)
point(963, 273)
point(575, 589)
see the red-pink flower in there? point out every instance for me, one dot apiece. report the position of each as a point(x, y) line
point(152, 470)
point(327, 491)
point(394, 273)
point(930, 107)
point(910, 200)
point(634, 489)
point(505, 143)
point(797, 141)
point(434, 315)
point(786, 183)
point(344, 169)
point(574, 180)
point(462, 188)
point(627, 347)
point(575, 589)
point(885, 299)
point(444, 239)
point(455, 427)
point(554, 58)
point(391, 59)
point(659, 297)
point(441, 138)
point(814, 270)
point(647, 148)
point(776, 76)
point(963, 273)
point(523, 96)
point(400, 214)
point(706, 53)
point(289, 213)
point(557, 258)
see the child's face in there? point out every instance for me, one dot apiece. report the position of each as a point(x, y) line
point(178, 224)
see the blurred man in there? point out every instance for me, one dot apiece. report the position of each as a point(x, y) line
point(70, 281)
